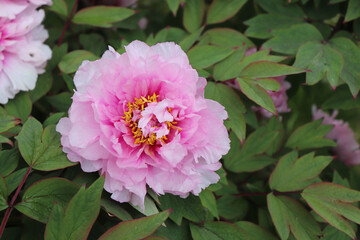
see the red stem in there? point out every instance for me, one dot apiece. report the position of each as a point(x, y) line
point(67, 23)
point(11, 204)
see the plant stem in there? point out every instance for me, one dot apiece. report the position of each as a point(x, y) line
point(67, 24)
point(11, 204)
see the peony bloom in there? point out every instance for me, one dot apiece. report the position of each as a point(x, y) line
point(347, 148)
point(141, 119)
point(22, 53)
point(279, 98)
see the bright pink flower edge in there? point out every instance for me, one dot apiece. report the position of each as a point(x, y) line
point(347, 148)
point(97, 133)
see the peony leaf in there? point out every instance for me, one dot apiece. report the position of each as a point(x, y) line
point(40, 148)
point(61, 102)
point(173, 5)
point(263, 25)
point(227, 37)
point(293, 173)
point(220, 10)
point(193, 14)
point(281, 8)
point(266, 69)
point(205, 56)
point(289, 215)
point(310, 135)
point(353, 10)
point(256, 93)
point(333, 203)
point(102, 16)
point(208, 200)
point(113, 208)
point(9, 160)
point(251, 156)
point(231, 207)
point(38, 200)
point(217, 230)
point(20, 106)
point(233, 66)
point(341, 99)
point(187, 42)
point(75, 222)
point(7, 121)
point(60, 7)
point(351, 54)
point(254, 231)
point(289, 40)
point(233, 105)
point(72, 60)
point(189, 208)
point(43, 85)
point(14, 179)
point(322, 60)
point(130, 229)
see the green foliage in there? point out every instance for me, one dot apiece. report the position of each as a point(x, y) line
point(40, 147)
point(280, 178)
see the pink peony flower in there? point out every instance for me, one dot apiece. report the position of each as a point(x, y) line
point(279, 98)
point(22, 53)
point(141, 119)
point(347, 148)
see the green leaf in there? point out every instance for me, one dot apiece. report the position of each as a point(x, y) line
point(289, 40)
point(333, 203)
point(217, 231)
point(38, 200)
point(221, 10)
point(341, 99)
point(60, 7)
point(322, 61)
point(54, 118)
point(248, 159)
point(270, 84)
point(69, 82)
point(187, 42)
point(130, 229)
point(7, 121)
point(80, 214)
point(231, 207)
point(353, 10)
point(292, 174)
point(102, 16)
point(227, 37)
point(331, 233)
point(150, 207)
point(72, 60)
point(57, 54)
point(61, 102)
point(256, 93)
point(254, 231)
point(281, 8)
point(173, 5)
point(41, 149)
point(265, 69)
point(233, 66)
point(289, 215)
point(113, 208)
point(9, 160)
point(193, 14)
point(233, 105)
point(262, 25)
point(43, 85)
point(189, 208)
point(208, 200)
point(205, 56)
point(20, 106)
point(351, 54)
point(14, 179)
point(310, 135)
point(3, 194)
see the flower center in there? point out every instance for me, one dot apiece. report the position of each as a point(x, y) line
point(155, 131)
